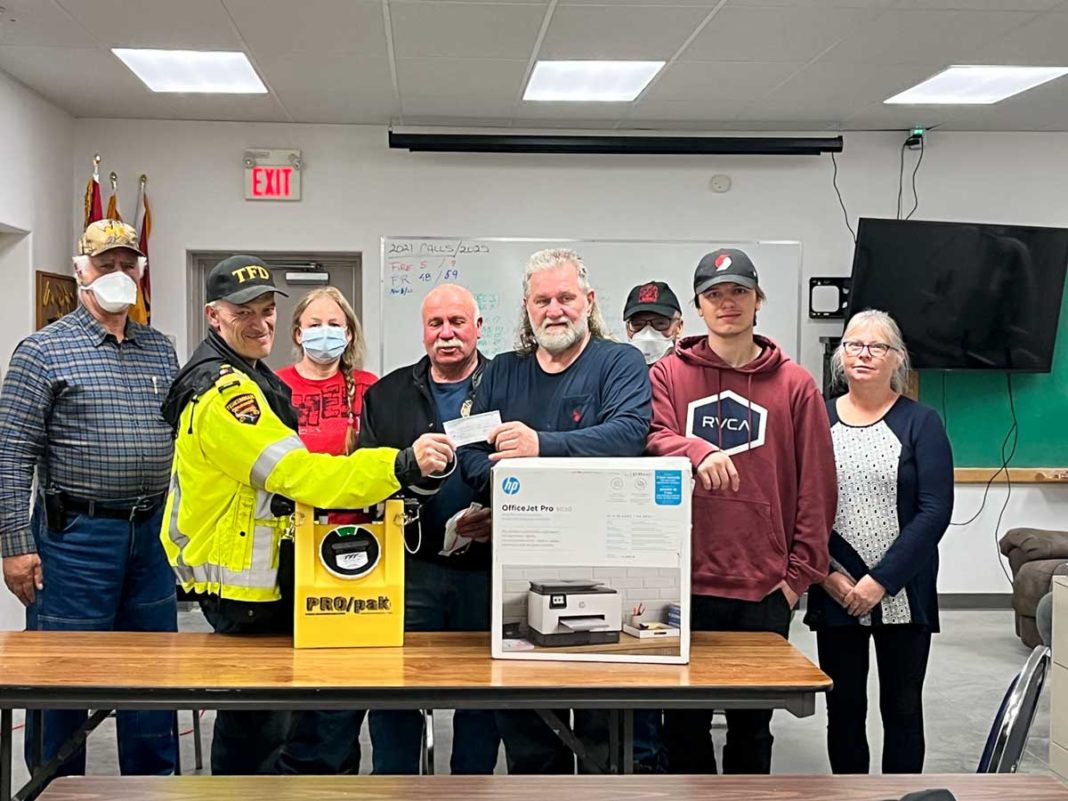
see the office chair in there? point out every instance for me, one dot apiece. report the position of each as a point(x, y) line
point(1012, 725)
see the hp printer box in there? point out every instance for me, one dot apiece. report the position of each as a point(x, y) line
point(591, 559)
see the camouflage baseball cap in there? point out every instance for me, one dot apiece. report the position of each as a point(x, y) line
point(104, 235)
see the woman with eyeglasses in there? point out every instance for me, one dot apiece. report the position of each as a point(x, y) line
point(895, 498)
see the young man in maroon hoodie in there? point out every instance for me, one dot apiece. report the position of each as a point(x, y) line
point(755, 428)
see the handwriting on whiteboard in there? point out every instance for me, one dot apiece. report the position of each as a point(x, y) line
point(441, 248)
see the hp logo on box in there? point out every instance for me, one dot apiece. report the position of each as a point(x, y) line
point(510, 485)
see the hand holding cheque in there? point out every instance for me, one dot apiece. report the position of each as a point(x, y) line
point(510, 440)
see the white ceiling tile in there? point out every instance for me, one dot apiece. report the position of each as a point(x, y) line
point(40, 22)
point(616, 3)
point(330, 87)
point(433, 120)
point(981, 5)
point(235, 108)
point(773, 34)
point(881, 117)
point(619, 32)
point(529, 111)
point(564, 123)
point(340, 106)
point(693, 109)
point(189, 24)
point(709, 82)
point(85, 81)
point(494, 81)
point(464, 30)
point(810, 4)
point(456, 107)
point(331, 26)
point(1042, 41)
point(903, 37)
point(828, 91)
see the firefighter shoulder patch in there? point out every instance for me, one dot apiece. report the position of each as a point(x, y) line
point(244, 408)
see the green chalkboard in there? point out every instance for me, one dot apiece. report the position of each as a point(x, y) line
point(975, 408)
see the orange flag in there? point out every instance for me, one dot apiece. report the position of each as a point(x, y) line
point(113, 202)
point(141, 311)
point(93, 209)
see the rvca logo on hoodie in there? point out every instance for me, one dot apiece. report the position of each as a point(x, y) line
point(728, 421)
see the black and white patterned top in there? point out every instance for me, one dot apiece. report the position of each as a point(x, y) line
point(867, 458)
point(895, 498)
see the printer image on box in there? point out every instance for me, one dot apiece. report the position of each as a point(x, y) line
point(573, 612)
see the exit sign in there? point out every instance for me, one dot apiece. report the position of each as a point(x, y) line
point(272, 174)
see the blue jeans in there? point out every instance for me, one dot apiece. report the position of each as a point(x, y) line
point(103, 574)
point(439, 598)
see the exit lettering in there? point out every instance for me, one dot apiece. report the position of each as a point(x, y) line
point(271, 181)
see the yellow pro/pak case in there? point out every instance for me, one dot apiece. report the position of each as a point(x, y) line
point(349, 580)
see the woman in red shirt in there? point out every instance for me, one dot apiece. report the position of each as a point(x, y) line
point(327, 383)
point(328, 386)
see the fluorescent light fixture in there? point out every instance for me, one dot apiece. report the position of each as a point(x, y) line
point(976, 85)
point(590, 81)
point(206, 72)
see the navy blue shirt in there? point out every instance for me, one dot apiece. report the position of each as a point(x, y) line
point(454, 494)
point(601, 405)
point(895, 499)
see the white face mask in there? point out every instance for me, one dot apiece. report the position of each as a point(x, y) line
point(652, 344)
point(115, 292)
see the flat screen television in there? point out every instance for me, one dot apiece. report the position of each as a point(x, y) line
point(967, 296)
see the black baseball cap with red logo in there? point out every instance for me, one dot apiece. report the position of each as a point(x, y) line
point(655, 297)
point(724, 266)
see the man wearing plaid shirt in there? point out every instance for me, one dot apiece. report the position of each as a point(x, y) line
point(80, 405)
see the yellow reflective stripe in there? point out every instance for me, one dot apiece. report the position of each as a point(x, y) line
point(269, 459)
point(262, 573)
point(180, 540)
point(217, 574)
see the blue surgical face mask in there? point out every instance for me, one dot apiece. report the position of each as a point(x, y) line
point(324, 343)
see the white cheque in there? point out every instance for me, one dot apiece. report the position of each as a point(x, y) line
point(476, 428)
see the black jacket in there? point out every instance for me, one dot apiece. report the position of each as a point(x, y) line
point(397, 409)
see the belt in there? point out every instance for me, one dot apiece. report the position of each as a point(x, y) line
point(119, 510)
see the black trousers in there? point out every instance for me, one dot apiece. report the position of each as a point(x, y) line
point(305, 742)
point(531, 747)
point(687, 733)
point(901, 652)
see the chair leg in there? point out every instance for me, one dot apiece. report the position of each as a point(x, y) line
point(198, 748)
point(427, 758)
point(177, 747)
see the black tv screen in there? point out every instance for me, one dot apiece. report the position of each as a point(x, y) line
point(967, 296)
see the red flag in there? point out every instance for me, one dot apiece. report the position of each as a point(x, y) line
point(141, 311)
point(93, 208)
point(113, 201)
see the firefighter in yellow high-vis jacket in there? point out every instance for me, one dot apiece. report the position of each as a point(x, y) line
point(238, 462)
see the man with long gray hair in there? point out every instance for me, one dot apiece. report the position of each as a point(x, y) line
point(567, 390)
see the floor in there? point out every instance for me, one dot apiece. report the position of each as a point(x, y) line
point(972, 663)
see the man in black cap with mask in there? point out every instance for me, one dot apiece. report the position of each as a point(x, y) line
point(236, 453)
point(654, 320)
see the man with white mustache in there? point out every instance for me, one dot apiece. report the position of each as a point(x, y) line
point(567, 390)
point(446, 589)
point(81, 408)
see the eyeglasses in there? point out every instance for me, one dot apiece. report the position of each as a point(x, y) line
point(877, 350)
point(659, 323)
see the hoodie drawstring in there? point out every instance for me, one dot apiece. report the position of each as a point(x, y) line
point(749, 401)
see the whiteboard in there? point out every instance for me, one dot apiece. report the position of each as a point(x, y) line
point(493, 270)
